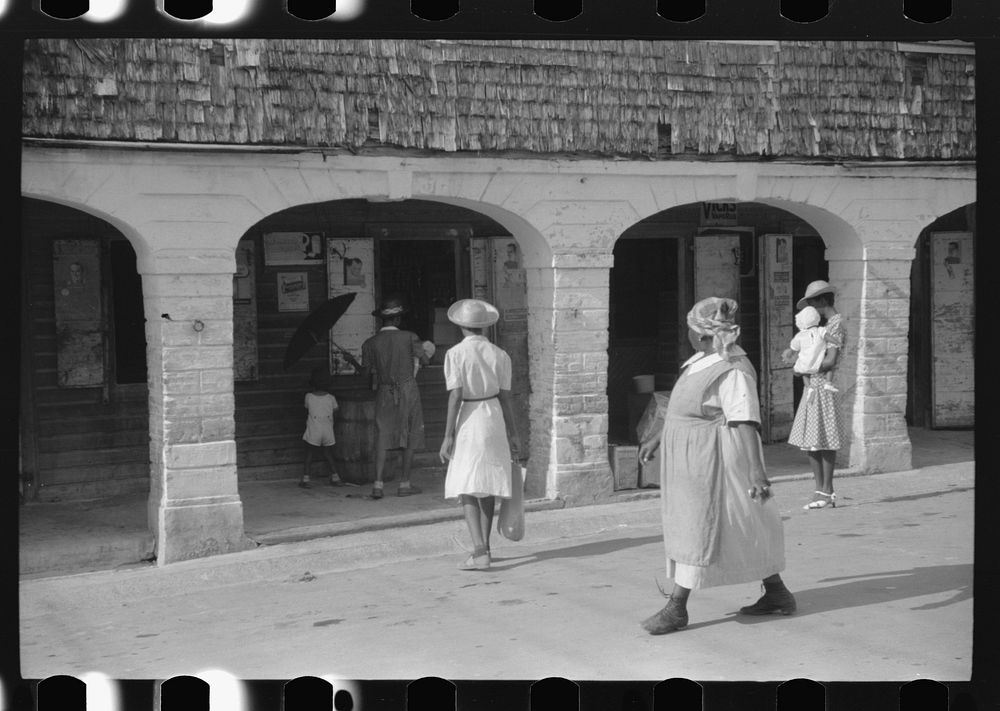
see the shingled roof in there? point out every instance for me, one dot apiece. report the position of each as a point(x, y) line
point(629, 98)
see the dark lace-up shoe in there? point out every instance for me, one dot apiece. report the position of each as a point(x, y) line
point(670, 619)
point(778, 601)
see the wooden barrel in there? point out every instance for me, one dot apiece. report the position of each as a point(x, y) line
point(354, 428)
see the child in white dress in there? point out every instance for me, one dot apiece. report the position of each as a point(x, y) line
point(319, 436)
point(480, 432)
point(810, 346)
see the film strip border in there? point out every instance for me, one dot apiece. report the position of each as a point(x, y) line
point(189, 693)
point(923, 19)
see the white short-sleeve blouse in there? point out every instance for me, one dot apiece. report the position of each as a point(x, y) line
point(735, 393)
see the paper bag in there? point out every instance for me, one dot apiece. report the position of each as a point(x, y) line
point(510, 522)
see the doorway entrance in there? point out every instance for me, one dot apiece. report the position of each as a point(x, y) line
point(424, 273)
point(762, 258)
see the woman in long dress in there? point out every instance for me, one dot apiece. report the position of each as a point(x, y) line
point(720, 524)
point(817, 429)
point(480, 432)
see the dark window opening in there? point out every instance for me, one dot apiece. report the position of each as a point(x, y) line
point(664, 145)
point(374, 127)
point(423, 273)
point(128, 317)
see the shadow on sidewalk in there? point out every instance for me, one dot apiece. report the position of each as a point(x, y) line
point(874, 589)
point(582, 550)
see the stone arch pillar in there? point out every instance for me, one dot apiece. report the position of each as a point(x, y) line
point(570, 306)
point(194, 507)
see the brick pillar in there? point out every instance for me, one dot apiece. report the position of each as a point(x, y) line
point(194, 506)
point(569, 405)
point(875, 299)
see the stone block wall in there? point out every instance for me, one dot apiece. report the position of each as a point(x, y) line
point(194, 503)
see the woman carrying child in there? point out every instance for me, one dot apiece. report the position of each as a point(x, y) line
point(817, 429)
point(319, 425)
point(480, 432)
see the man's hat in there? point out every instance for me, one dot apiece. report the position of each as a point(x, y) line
point(473, 313)
point(813, 290)
point(390, 307)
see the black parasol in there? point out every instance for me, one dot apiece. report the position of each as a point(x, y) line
point(315, 327)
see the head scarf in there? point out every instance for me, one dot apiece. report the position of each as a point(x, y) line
point(716, 317)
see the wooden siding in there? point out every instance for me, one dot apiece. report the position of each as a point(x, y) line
point(591, 97)
point(83, 441)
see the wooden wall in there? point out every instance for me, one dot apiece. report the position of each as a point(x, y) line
point(77, 442)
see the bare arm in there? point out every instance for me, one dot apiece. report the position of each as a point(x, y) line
point(508, 418)
point(648, 447)
point(829, 360)
point(749, 444)
point(447, 450)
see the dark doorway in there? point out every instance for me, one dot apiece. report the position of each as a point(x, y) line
point(808, 265)
point(643, 327)
point(129, 319)
point(422, 272)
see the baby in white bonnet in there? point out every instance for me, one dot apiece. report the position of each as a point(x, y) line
point(808, 343)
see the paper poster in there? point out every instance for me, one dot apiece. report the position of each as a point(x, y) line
point(293, 248)
point(80, 325)
point(245, 366)
point(953, 327)
point(777, 317)
point(350, 265)
point(293, 291)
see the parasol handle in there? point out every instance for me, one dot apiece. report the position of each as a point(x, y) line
point(348, 356)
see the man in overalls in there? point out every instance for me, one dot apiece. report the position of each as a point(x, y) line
point(393, 357)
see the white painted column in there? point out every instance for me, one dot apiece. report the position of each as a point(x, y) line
point(875, 300)
point(194, 505)
point(569, 398)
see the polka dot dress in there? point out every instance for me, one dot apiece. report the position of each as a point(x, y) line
point(817, 424)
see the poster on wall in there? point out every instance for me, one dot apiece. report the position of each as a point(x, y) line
point(511, 333)
point(509, 274)
point(293, 248)
point(480, 258)
point(293, 291)
point(717, 266)
point(350, 265)
point(953, 325)
point(245, 313)
point(777, 317)
point(80, 325)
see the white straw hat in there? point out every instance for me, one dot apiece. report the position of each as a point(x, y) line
point(815, 289)
point(473, 313)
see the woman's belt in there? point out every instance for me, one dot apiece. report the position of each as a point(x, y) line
point(480, 399)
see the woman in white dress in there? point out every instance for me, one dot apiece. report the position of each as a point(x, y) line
point(480, 432)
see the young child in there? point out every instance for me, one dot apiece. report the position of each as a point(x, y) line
point(319, 425)
point(810, 345)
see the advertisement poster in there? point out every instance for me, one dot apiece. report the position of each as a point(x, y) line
point(350, 267)
point(777, 317)
point(245, 313)
point(293, 291)
point(953, 330)
point(293, 248)
point(78, 313)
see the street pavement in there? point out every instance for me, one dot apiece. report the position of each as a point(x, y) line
point(883, 583)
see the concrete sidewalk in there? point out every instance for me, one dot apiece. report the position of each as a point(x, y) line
point(74, 537)
point(884, 584)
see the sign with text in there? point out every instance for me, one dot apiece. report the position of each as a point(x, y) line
point(719, 213)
